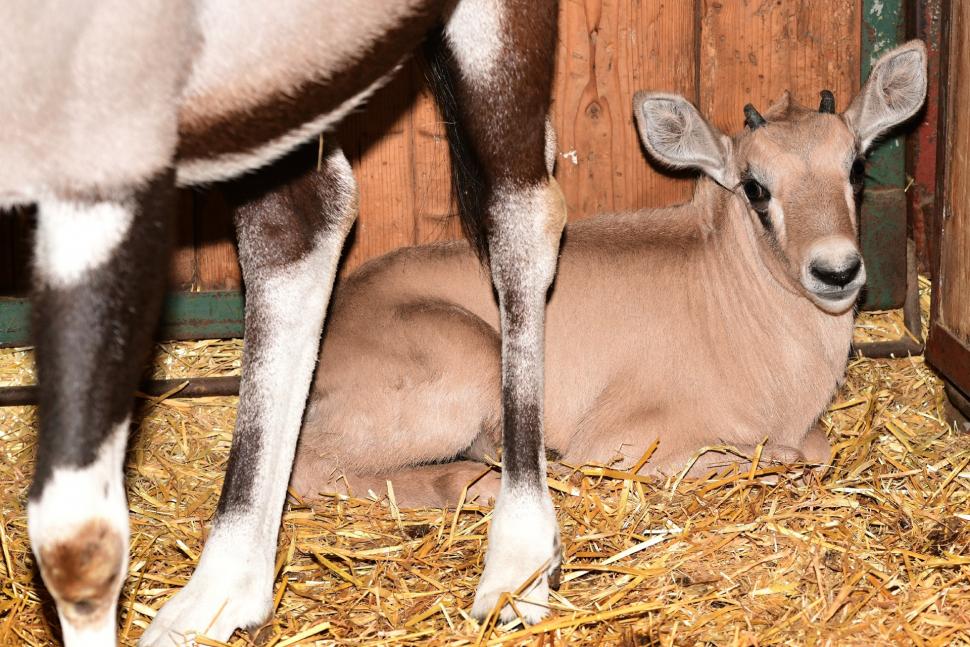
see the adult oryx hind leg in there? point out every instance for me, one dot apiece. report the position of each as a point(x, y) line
point(97, 289)
point(290, 235)
point(503, 51)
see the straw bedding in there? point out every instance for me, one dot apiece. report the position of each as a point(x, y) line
point(873, 552)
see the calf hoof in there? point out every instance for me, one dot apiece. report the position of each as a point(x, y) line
point(523, 539)
point(84, 574)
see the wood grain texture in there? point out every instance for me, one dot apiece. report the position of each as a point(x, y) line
point(216, 255)
point(753, 50)
point(182, 271)
point(609, 50)
point(399, 153)
point(378, 143)
point(955, 246)
point(435, 210)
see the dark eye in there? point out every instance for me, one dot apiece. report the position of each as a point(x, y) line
point(858, 172)
point(757, 195)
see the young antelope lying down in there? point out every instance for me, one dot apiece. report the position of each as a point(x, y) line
point(721, 321)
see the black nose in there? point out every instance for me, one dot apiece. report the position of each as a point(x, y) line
point(836, 277)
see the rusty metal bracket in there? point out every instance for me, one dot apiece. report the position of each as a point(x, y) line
point(203, 387)
point(905, 345)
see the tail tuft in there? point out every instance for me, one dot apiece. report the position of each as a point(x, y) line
point(466, 177)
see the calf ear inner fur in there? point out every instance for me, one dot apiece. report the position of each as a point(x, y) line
point(676, 134)
point(894, 92)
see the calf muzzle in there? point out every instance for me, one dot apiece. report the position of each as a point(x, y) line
point(834, 274)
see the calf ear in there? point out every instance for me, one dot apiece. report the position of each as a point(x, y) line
point(676, 134)
point(894, 92)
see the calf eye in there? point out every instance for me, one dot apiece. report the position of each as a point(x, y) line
point(754, 191)
point(758, 197)
point(858, 173)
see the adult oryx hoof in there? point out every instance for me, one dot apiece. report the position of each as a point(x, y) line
point(213, 604)
point(84, 574)
point(523, 539)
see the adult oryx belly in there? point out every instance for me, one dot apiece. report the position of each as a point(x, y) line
point(258, 87)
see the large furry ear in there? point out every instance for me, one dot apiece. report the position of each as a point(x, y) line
point(894, 92)
point(675, 133)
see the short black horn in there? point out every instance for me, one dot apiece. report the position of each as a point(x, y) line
point(828, 102)
point(753, 117)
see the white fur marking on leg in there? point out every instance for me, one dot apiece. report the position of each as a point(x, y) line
point(522, 538)
point(74, 239)
point(526, 245)
point(73, 498)
point(76, 495)
point(475, 32)
point(552, 147)
point(104, 634)
point(296, 300)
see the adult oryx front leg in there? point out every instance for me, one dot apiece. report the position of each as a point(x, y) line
point(291, 224)
point(504, 54)
point(98, 275)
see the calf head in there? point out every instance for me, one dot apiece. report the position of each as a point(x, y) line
point(796, 172)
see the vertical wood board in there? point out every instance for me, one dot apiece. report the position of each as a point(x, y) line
point(955, 262)
point(608, 51)
point(398, 150)
point(751, 52)
point(925, 22)
point(947, 347)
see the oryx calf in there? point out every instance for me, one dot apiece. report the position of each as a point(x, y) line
point(107, 105)
point(724, 320)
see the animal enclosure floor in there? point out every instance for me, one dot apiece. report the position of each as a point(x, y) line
point(874, 552)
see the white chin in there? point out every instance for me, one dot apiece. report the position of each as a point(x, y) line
point(836, 303)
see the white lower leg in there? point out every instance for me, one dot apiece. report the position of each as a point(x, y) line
point(78, 528)
point(232, 586)
point(524, 534)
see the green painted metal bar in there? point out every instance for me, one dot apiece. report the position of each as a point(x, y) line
point(202, 315)
point(883, 28)
point(216, 314)
point(14, 322)
point(883, 217)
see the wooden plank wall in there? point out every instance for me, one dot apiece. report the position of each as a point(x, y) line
point(721, 54)
point(954, 301)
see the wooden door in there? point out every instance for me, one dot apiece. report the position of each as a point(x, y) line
point(948, 346)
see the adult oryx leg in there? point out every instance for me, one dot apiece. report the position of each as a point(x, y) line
point(291, 226)
point(98, 276)
point(503, 52)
